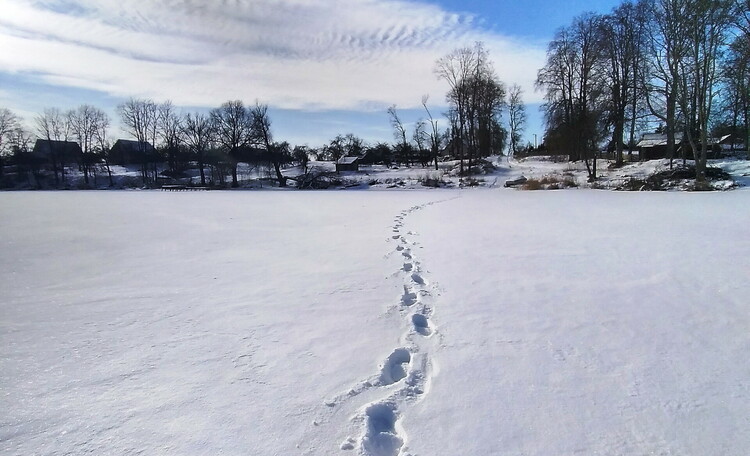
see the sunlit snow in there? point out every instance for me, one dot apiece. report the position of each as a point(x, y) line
point(443, 322)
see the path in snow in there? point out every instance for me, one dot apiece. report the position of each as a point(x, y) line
point(408, 366)
point(377, 405)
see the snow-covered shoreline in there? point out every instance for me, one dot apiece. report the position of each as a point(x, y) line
point(494, 172)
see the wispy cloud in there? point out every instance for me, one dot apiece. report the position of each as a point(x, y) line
point(294, 54)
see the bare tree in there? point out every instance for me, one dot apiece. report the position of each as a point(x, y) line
point(101, 138)
point(574, 91)
point(621, 33)
point(301, 154)
point(139, 118)
point(419, 136)
point(403, 148)
point(198, 132)
point(55, 127)
point(434, 132)
point(9, 122)
point(667, 47)
point(476, 97)
point(85, 124)
point(742, 16)
point(20, 142)
point(516, 117)
point(737, 82)
point(170, 132)
point(261, 128)
point(233, 126)
point(455, 69)
point(707, 23)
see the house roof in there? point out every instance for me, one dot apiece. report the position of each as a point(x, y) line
point(656, 139)
point(347, 160)
point(726, 139)
point(131, 144)
point(45, 146)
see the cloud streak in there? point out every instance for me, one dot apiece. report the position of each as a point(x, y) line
point(293, 54)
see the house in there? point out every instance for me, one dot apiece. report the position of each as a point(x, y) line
point(654, 145)
point(347, 164)
point(128, 152)
point(63, 151)
point(730, 143)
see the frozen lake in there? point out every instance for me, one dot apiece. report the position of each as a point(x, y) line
point(381, 323)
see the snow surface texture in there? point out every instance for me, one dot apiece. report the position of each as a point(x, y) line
point(443, 322)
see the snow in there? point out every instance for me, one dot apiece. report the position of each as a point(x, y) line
point(440, 322)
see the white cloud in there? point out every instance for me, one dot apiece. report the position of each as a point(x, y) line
point(294, 54)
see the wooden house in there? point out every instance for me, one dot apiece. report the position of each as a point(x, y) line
point(347, 164)
point(654, 145)
point(130, 152)
point(62, 151)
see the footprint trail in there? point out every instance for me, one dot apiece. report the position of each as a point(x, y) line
point(403, 378)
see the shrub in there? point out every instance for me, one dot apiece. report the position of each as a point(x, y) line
point(532, 184)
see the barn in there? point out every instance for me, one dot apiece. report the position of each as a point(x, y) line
point(347, 164)
point(128, 152)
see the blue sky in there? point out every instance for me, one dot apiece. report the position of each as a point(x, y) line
point(325, 67)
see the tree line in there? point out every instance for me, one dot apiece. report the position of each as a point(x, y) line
point(683, 63)
point(218, 140)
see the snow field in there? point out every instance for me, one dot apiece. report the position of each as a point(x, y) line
point(190, 324)
point(588, 322)
point(484, 321)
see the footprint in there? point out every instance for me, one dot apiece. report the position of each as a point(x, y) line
point(408, 267)
point(418, 279)
point(396, 236)
point(421, 324)
point(348, 444)
point(400, 248)
point(381, 438)
point(406, 255)
point(393, 369)
point(408, 298)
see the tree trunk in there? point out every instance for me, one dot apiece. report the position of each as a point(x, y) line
point(201, 166)
point(109, 173)
point(235, 183)
point(671, 109)
point(279, 176)
point(617, 138)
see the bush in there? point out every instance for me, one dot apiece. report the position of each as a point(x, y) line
point(550, 182)
point(672, 178)
point(433, 180)
point(532, 184)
